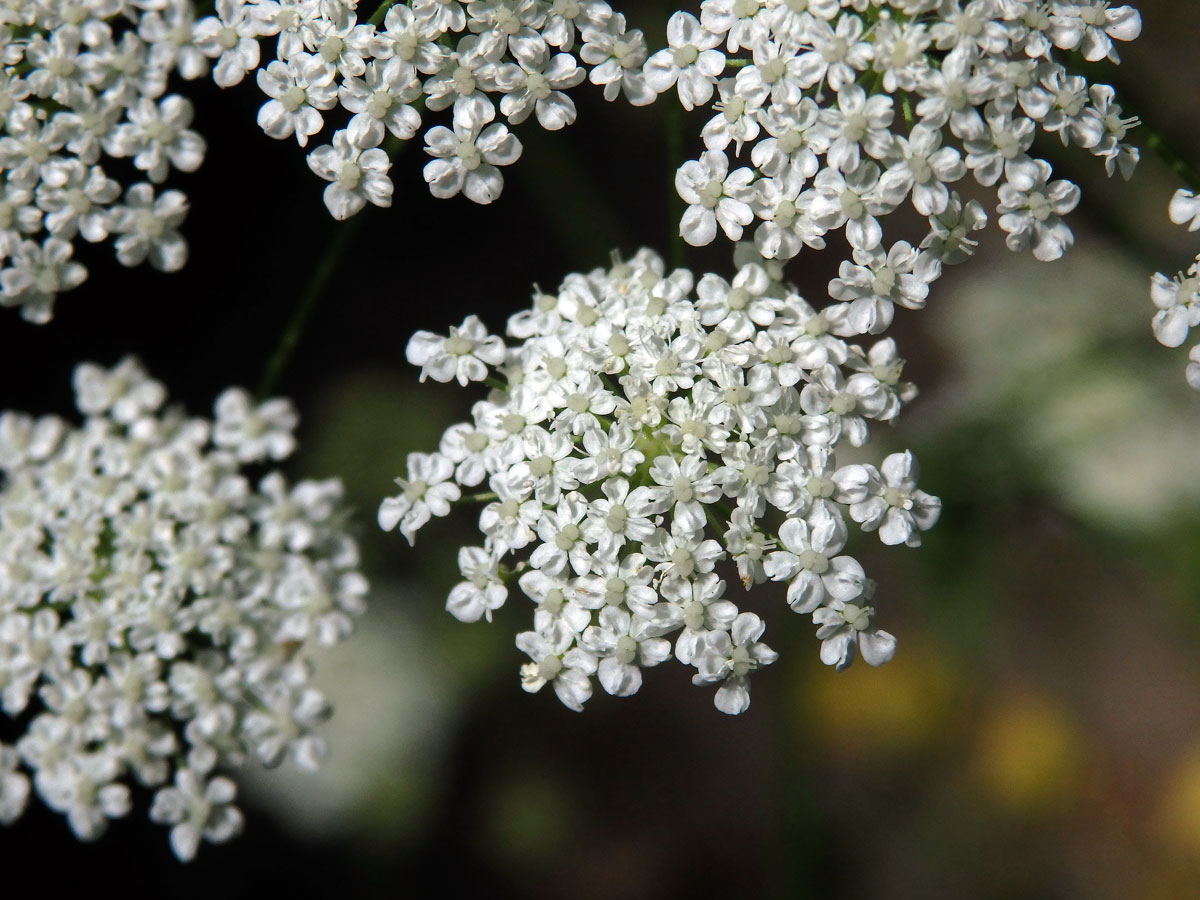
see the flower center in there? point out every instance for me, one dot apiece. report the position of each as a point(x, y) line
point(852, 204)
point(820, 487)
point(349, 175)
point(711, 193)
point(293, 98)
point(331, 48)
point(685, 56)
point(380, 104)
point(626, 650)
point(568, 537)
point(814, 562)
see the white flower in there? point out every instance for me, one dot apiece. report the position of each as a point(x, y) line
point(893, 505)
point(254, 434)
point(35, 276)
point(857, 123)
point(1030, 210)
point(1092, 26)
point(425, 493)
point(930, 168)
point(874, 282)
point(716, 197)
point(408, 38)
point(739, 307)
point(809, 565)
point(157, 137)
point(1193, 368)
point(616, 56)
point(197, 810)
point(737, 119)
point(1001, 147)
point(380, 99)
point(148, 228)
point(170, 32)
point(854, 201)
point(299, 89)
point(846, 629)
point(1178, 302)
point(729, 657)
point(838, 53)
point(743, 22)
point(124, 392)
point(622, 655)
point(949, 238)
point(563, 544)
point(76, 200)
point(482, 592)
point(463, 356)
point(690, 62)
point(230, 38)
point(1185, 209)
point(748, 547)
point(14, 787)
point(699, 606)
point(623, 515)
point(81, 787)
point(466, 158)
point(54, 65)
point(357, 174)
point(509, 522)
point(558, 613)
point(683, 486)
point(569, 672)
point(540, 89)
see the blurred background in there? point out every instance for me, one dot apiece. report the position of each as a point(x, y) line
point(1037, 735)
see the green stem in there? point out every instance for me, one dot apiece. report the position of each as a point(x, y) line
point(321, 276)
point(906, 105)
point(377, 16)
point(483, 497)
point(315, 288)
point(1155, 142)
point(1152, 138)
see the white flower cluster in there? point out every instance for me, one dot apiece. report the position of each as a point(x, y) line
point(850, 108)
point(1178, 298)
point(86, 81)
point(84, 84)
point(644, 434)
point(157, 611)
point(425, 54)
point(970, 84)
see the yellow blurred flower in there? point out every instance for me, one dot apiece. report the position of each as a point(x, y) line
point(1030, 756)
point(865, 712)
point(1177, 818)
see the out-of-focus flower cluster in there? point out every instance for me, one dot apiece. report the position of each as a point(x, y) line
point(157, 610)
point(1178, 298)
point(644, 429)
point(85, 84)
point(848, 109)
